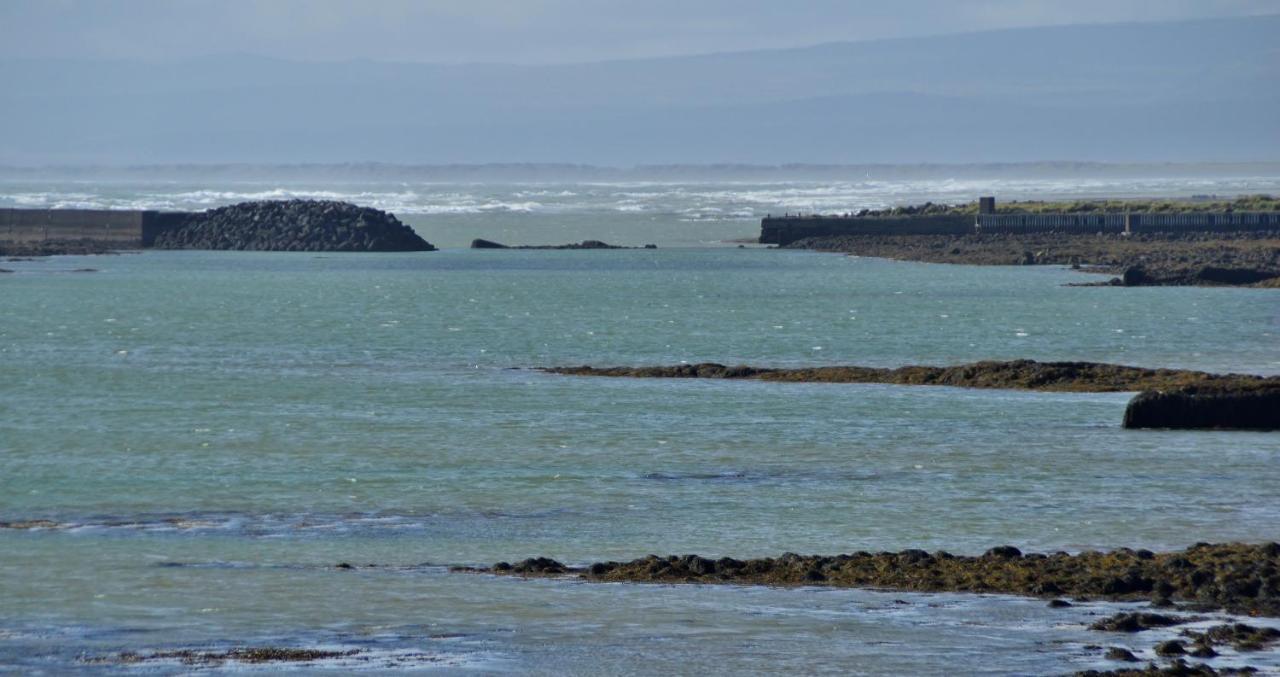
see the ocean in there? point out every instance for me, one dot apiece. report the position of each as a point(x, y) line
point(192, 441)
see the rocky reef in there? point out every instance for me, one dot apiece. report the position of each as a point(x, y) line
point(1143, 259)
point(1243, 407)
point(585, 244)
point(249, 655)
point(1241, 578)
point(292, 225)
point(1013, 374)
point(1169, 398)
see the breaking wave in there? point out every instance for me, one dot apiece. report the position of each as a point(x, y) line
point(698, 201)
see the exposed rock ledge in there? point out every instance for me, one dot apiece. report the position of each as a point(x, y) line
point(1170, 398)
point(585, 244)
point(1014, 374)
point(293, 225)
point(1241, 578)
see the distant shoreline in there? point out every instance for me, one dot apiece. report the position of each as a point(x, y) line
point(570, 172)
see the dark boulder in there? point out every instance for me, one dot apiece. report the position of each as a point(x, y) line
point(1004, 552)
point(486, 244)
point(539, 565)
point(1135, 621)
point(292, 225)
point(1189, 409)
point(1134, 276)
point(1116, 653)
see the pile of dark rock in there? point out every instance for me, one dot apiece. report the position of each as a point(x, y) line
point(292, 225)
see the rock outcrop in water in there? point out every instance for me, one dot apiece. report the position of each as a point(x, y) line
point(479, 243)
point(1207, 407)
point(1013, 374)
point(1170, 398)
point(1242, 578)
point(293, 225)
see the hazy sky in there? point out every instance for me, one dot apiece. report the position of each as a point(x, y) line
point(527, 31)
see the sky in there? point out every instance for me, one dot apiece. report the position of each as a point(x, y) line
point(527, 31)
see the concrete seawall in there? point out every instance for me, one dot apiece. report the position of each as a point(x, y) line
point(123, 228)
point(785, 230)
point(1133, 222)
point(265, 225)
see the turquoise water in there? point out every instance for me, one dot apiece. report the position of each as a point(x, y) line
point(208, 433)
point(633, 213)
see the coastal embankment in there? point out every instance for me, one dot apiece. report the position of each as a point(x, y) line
point(268, 225)
point(1143, 243)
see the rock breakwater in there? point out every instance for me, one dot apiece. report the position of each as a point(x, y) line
point(293, 225)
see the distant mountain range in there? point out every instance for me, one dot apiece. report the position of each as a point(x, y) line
point(1153, 92)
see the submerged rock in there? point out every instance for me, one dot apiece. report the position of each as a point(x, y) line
point(1241, 636)
point(1116, 653)
point(479, 243)
point(293, 225)
point(1137, 622)
point(252, 655)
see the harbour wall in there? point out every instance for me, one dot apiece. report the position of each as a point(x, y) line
point(1186, 222)
point(125, 228)
point(788, 229)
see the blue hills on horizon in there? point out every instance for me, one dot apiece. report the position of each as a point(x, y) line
point(1150, 92)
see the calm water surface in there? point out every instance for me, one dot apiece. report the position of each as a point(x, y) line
point(207, 434)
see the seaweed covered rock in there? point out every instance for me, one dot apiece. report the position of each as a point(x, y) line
point(1242, 408)
point(480, 243)
point(293, 225)
point(1239, 577)
point(1016, 374)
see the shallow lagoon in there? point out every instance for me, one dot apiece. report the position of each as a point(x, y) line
point(208, 433)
